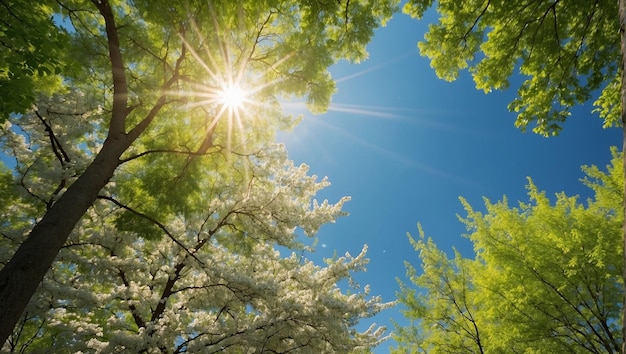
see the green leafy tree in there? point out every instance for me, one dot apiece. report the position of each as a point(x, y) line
point(565, 53)
point(153, 85)
point(546, 278)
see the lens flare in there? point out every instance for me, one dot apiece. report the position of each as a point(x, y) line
point(232, 96)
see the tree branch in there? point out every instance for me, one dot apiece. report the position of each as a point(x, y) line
point(475, 23)
point(117, 127)
point(59, 152)
point(133, 309)
point(167, 151)
point(134, 133)
point(167, 292)
point(57, 148)
point(152, 220)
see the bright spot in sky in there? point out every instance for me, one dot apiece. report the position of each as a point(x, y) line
point(232, 96)
point(323, 245)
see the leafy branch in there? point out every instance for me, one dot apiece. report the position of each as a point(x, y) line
point(153, 221)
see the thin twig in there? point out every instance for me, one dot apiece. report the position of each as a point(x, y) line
point(152, 220)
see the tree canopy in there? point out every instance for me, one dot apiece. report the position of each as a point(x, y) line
point(545, 278)
point(564, 52)
point(35, 52)
point(118, 124)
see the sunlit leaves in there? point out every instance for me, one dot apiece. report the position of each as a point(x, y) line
point(443, 303)
point(33, 54)
point(546, 277)
point(609, 104)
point(564, 52)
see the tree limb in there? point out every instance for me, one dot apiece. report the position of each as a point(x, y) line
point(152, 220)
point(57, 148)
point(117, 127)
point(134, 133)
point(166, 151)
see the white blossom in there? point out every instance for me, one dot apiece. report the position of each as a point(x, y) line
point(123, 286)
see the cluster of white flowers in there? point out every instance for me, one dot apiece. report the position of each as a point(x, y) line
point(222, 285)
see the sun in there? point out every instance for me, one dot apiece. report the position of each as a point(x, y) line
point(231, 90)
point(232, 96)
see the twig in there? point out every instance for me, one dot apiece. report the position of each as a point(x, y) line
point(152, 220)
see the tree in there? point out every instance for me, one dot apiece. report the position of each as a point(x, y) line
point(565, 53)
point(120, 283)
point(546, 278)
point(150, 79)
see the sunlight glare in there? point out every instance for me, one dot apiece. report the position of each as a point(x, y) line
point(232, 96)
point(230, 93)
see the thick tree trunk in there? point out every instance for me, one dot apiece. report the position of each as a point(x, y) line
point(20, 278)
point(22, 275)
point(622, 21)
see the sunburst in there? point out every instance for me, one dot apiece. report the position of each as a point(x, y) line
point(233, 96)
point(228, 93)
point(234, 92)
point(224, 91)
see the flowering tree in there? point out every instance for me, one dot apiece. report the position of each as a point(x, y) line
point(202, 275)
point(152, 132)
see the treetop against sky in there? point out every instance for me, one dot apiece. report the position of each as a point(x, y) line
point(149, 165)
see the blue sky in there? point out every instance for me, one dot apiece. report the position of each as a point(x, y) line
point(405, 145)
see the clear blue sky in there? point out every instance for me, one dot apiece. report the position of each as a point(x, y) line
point(405, 145)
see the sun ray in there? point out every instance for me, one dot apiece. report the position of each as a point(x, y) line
point(375, 67)
point(362, 110)
point(235, 86)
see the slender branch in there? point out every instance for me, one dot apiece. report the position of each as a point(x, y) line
point(23, 184)
point(167, 151)
point(181, 348)
point(59, 152)
point(57, 148)
point(567, 301)
point(346, 14)
point(475, 23)
point(151, 53)
point(152, 220)
point(257, 39)
point(167, 292)
point(133, 309)
point(134, 133)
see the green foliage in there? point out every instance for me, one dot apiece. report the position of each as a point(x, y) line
point(565, 52)
point(609, 104)
point(546, 277)
point(450, 280)
point(34, 53)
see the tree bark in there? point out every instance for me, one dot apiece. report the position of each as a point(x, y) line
point(622, 29)
point(20, 278)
